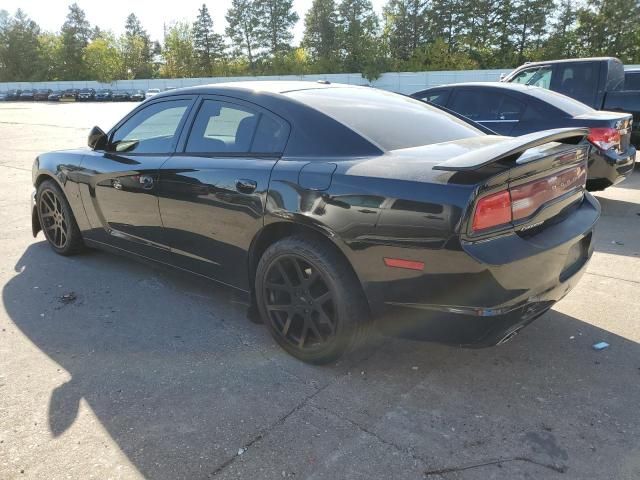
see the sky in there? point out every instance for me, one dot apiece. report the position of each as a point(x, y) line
point(111, 14)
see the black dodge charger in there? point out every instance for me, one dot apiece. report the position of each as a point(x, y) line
point(515, 109)
point(333, 208)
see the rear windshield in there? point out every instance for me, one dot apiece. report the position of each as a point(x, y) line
point(387, 119)
point(562, 102)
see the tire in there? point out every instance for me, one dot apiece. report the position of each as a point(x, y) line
point(57, 220)
point(316, 311)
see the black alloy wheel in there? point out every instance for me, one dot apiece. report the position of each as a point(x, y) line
point(57, 220)
point(310, 300)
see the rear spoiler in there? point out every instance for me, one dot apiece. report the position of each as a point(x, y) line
point(512, 147)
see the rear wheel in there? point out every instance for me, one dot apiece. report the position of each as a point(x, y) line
point(310, 300)
point(57, 220)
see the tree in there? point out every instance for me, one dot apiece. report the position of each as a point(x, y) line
point(208, 46)
point(243, 29)
point(19, 48)
point(530, 19)
point(610, 27)
point(103, 59)
point(178, 52)
point(405, 22)
point(136, 50)
point(562, 41)
point(76, 33)
point(320, 31)
point(276, 18)
point(357, 30)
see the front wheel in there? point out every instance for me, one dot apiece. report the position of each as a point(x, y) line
point(57, 220)
point(310, 300)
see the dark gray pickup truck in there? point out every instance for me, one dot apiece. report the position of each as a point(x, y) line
point(597, 82)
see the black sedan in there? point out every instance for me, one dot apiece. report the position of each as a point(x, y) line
point(69, 95)
point(332, 208)
point(27, 95)
point(121, 96)
point(137, 96)
point(55, 96)
point(104, 95)
point(13, 94)
point(514, 109)
point(86, 94)
point(42, 94)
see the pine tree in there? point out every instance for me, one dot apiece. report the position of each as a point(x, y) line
point(530, 24)
point(276, 18)
point(404, 27)
point(136, 49)
point(357, 33)
point(243, 29)
point(76, 33)
point(320, 30)
point(208, 46)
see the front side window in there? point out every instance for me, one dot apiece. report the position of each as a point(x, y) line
point(222, 127)
point(536, 76)
point(153, 129)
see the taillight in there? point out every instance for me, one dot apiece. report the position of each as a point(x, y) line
point(492, 210)
point(604, 138)
point(522, 201)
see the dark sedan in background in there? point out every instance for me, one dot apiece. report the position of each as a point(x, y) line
point(331, 206)
point(86, 94)
point(103, 95)
point(13, 94)
point(137, 96)
point(55, 96)
point(121, 96)
point(514, 109)
point(69, 95)
point(27, 95)
point(42, 94)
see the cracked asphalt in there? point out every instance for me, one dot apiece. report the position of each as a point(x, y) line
point(148, 373)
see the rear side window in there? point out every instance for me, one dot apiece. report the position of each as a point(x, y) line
point(387, 119)
point(482, 105)
point(578, 80)
point(222, 127)
point(632, 81)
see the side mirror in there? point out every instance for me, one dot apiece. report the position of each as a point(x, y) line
point(97, 139)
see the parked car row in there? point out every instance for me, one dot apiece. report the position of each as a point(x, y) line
point(80, 95)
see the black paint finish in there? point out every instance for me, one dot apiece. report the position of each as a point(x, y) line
point(213, 214)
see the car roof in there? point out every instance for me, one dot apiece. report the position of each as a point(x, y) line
point(571, 60)
point(255, 87)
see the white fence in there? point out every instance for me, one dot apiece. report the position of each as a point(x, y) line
point(401, 82)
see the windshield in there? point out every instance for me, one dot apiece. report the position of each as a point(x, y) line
point(389, 120)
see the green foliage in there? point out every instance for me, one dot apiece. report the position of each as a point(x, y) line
point(208, 46)
point(102, 58)
point(275, 18)
point(178, 52)
point(243, 28)
point(76, 33)
point(339, 36)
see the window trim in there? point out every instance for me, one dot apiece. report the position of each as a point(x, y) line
point(135, 111)
point(181, 149)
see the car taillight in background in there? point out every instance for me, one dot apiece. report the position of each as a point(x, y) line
point(522, 201)
point(604, 138)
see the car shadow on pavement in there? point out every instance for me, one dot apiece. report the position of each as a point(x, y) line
point(183, 384)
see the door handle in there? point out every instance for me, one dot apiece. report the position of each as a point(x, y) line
point(244, 185)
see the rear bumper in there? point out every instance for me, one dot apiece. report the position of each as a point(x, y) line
point(609, 168)
point(509, 282)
